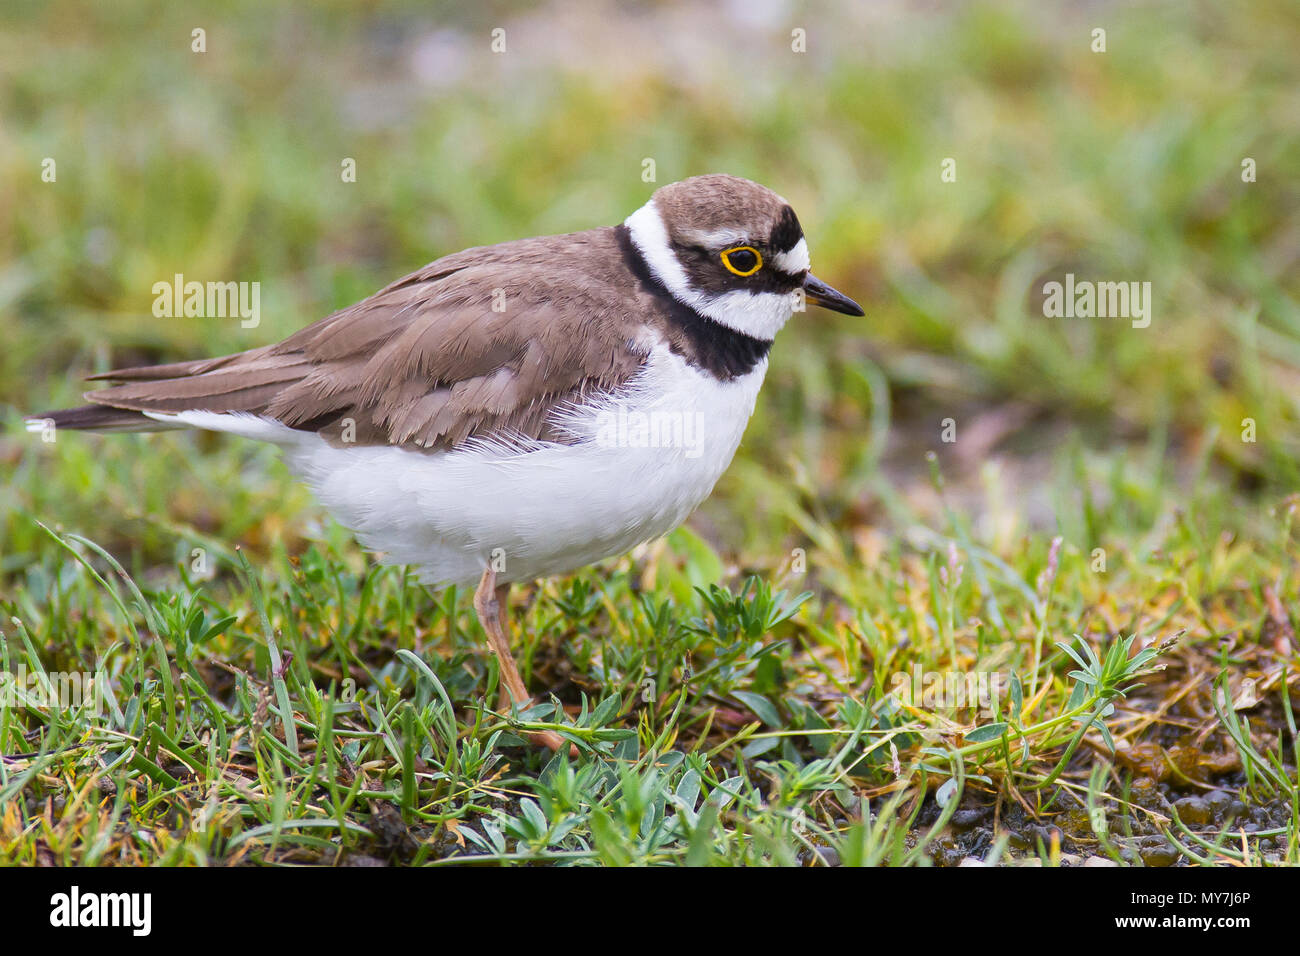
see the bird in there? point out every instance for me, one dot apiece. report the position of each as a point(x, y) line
point(521, 410)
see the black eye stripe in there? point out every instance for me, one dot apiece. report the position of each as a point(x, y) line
point(708, 275)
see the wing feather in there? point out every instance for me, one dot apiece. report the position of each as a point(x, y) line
point(487, 343)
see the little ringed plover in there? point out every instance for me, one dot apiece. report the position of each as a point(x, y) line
point(520, 410)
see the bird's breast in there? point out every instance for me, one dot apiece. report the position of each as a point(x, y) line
point(641, 459)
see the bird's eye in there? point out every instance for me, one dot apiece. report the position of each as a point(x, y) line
point(742, 260)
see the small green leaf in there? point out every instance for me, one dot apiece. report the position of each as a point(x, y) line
point(606, 710)
point(725, 792)
point(1105, 735)
point(688, 790)
point(217, 628)
point(1070, 650)
point(987, 732)
point(534, 814)
point(760, 705)
point(701, 847)
point(761, 746)
point(1077, 696)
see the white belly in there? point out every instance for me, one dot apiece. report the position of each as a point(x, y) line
point(541, 509)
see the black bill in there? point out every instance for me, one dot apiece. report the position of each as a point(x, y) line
point(818, 292)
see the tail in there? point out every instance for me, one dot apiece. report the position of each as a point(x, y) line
point(95, 418)
point(147, 398)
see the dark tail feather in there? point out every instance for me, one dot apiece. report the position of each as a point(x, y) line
point(151, 373)
point(177, 386)
point(95, 418)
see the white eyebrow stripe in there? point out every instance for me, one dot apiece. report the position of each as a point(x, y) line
point(721, 239)
point(796, 261)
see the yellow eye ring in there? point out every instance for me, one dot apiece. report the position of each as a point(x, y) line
point(758, 260)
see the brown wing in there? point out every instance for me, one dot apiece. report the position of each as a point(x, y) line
point(487, 342)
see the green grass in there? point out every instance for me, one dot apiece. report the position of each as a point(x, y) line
point(730, 687)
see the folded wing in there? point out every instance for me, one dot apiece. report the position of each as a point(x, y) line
point(487, 343)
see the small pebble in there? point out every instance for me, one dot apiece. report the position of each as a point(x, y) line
point(1159, 855)
point(1219, 800)
point(965, 819)
point(826, 856)
point(1194, 811)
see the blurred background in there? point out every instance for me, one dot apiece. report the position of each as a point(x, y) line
point(1115, 166)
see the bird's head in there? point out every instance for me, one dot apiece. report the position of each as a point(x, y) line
point(732, 250)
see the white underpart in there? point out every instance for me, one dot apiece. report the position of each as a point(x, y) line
point(538, 508)
point(759, 314)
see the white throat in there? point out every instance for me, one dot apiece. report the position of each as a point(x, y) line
point(757, 314)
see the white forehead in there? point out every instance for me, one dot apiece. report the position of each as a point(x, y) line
point(794, 262)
